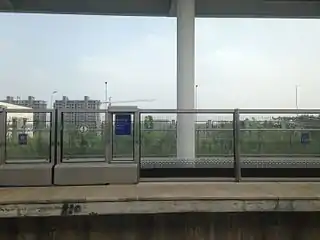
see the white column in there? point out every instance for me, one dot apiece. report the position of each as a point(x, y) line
point(185, 77)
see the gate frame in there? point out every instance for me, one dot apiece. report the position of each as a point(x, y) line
point(26, 172)
point(105, 171)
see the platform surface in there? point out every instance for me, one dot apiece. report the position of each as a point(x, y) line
point(150, 191)
point(159, 198)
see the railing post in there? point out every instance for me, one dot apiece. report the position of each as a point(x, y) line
point(3, 135)
point(59, 129)
point(236, 145)
point(54, 127)
point(136, 137)
point(109, 135)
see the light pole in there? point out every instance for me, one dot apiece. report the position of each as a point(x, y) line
point(51, 99)
point(196, 96)
point(297, 99)
point(196, 122)
point(196, 101)
point(109, 102)
point(106, 95)
point(297, 95)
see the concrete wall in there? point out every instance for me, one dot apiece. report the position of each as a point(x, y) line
point(191, 226)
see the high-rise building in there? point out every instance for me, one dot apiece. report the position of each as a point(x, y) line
point(81, 118)
point(40, 118)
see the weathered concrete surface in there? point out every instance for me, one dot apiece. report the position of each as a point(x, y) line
point(159, 198)
point(190, 226)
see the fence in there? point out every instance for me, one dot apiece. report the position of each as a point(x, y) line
point(146, 139)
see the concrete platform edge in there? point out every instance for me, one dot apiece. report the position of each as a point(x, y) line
point(153, 207)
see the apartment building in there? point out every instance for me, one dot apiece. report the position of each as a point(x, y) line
point(89, 119)
point(41, 117)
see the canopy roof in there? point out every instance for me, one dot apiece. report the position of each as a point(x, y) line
point(204, 8)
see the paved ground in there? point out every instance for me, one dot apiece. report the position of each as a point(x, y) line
point(161, 191)
point(159, 197)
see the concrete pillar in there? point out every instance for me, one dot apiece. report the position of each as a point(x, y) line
point(185, 77)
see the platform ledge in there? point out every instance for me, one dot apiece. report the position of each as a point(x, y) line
point(152, 207)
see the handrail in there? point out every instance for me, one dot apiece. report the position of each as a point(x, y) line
point(279, 111)
point(187, 111)
point(230, 111)
point(44, 111)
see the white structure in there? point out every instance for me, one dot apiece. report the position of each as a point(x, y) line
point(24, 120)
point(185, 77)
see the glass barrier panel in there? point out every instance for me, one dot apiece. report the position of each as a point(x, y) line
point(28, 137)
point(280, 145)
point(123, 137)
point(83, 136)
point(213, 145)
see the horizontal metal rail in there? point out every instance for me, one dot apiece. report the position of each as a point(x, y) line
point(173, 111)
point(28, 161)
point(222, 179)
point(200, 155)
point(279, 129)
point(231, 111)
point(280, 179)
point(186, 111)
point(197, 130)
point(82, 111)
point(28, 110)
point(186, 179)
point(279, 111)
point(288, 155)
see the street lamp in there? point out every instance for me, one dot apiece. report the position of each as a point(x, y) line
point(196, 96)
point(51, 99)
point(196, 101)
point(196, 123)
point(297, 97)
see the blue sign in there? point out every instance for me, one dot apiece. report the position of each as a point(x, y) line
point(23, 139)
point(123, 124)
point(305, 138)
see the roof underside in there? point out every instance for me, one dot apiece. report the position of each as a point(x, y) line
point(204, 8)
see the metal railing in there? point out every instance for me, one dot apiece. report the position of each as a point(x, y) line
point(224, 138)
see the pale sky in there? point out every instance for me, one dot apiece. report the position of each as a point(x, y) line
point(240, 63)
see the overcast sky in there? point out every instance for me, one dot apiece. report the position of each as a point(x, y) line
point(240, 63)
